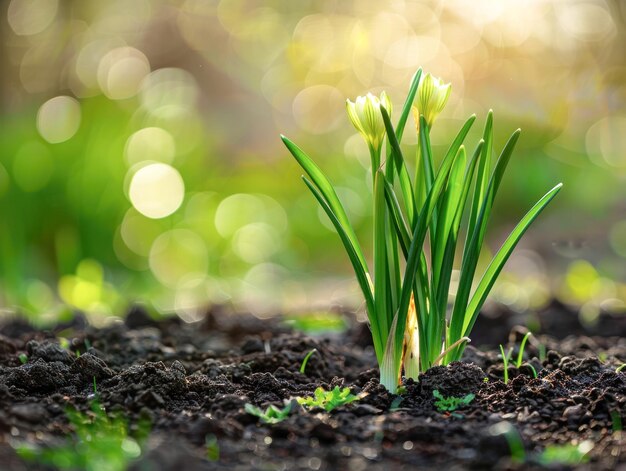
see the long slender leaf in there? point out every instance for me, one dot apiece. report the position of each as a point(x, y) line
point(361, 274)
point(450, 250)
point(408, 103)
point(501, 257)
point(475, 239)
point(328, 193)
point(449, 204)
point(405, 181)
point(484, 166)
point(380, 253)
point(415, 250)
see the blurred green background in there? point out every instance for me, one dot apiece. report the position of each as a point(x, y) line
point(140, 157)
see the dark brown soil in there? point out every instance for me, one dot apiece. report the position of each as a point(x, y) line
point(192, 382)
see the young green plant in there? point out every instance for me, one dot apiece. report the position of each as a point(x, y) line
point(451, 403)
point(418, 226)
point(271, 415)
point(505, 362)
point(328, 400)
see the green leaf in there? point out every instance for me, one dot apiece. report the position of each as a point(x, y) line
point(415, 250)
point(482, 180)
point(406, 109)
point(405, 181)
point(359, 270)
point(328, 192)
point(474, 241)
point(443, 285)
point(380, 254)
point(501, 257)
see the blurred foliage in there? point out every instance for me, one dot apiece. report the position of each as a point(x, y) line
point(140, 159)
point(100, 443)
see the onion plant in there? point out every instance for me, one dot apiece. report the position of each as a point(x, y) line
point(419, 221)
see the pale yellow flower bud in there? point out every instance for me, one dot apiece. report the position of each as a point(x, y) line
point(432, 96)
point(366, 118)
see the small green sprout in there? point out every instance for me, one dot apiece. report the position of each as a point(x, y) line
point(100, 443)
point(620, 367)
point(408, 275)
point(520, 354)
point(449, 404)
point(306, 360)
point(212, 448)
point(505, 360)
point(513, 438)
point(23, 358)
point(568, 454)
point(395, 404)
point(533, 370)
point(271, 415)
point(328, 400)
point(64, 343)
point(616, 421)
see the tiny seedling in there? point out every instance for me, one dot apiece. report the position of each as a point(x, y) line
point(513, 438)
point(23, 358)
point(395, 404)
point(100, 442)
point(328, 400)
point(306, 360)
point(418, 227)
point(616, 421)
point(620, 367)
point(505, 360)
point(271, 415)
point(520, 354)
point(212, 448)
point(451, 403)
point(568, 454)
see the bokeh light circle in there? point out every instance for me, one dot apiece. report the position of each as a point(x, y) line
point(28, 17)
point(152, 143)
point(121, 72)
point(156, 190)
point(58, 119)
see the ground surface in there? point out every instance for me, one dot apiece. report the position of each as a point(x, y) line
point(192, 382)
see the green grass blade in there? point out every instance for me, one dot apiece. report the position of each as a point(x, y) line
point(501, 257)
point(381, 273)
point(406, 109)
point(361, 274)
point(328, 193)
point(405, 181)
